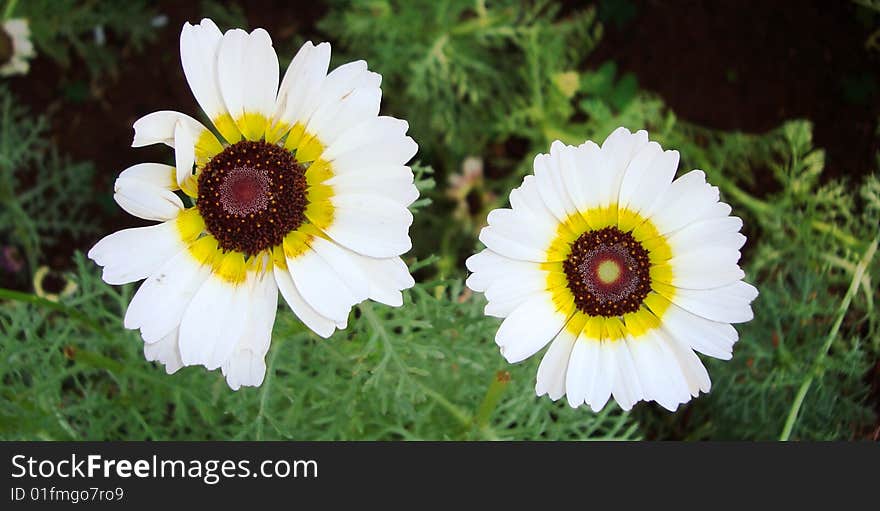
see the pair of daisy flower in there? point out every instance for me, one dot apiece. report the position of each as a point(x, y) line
point(302, 188)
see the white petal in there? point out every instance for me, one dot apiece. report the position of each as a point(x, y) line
point(184, 152)
point(717, 231)
point(487, 267)
point(617, 151)
point(199, 46)
point(503, 306)
point(386, 277)
point(511, 248)
point(590, 373)
point(158, 127)
point(247, 70)
point(648, 176)
point(656, 374)
point(644, 361)
point(607, 181)
point(159, 304)
point(320, 107)
point(330, 121)
point(526, 201)
point(686, 200)
point(374, 142)
point(245, 368)
point(561, 162)
point(389, 151)
point(514, 225)
point(706, 268)
point(299, 90)
point(622, 145)
point(604, 381)
point(626, 386)
point(166, 352)
point(717, 210)
point(155, 174)
point(695, 374)
point(315, 322)
point(370, 225)
point(529, 328)
point(247, 365)
point(508, 293)
point(214, 322)
point(728, 304)
point(708, 337)
point(520, 233)
point(554, 366)
point(17, 28)
point(582, 369)
point(394, 182)
point(589, 162)
point(342, 262)
point(134, 254)
point(548, 176)
point(342, 81)
point(512, 234)
point(322, 286)
point(145, 200)
point(673, 371)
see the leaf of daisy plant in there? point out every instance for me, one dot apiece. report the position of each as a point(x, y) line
point(625, 272)
point(301, 188)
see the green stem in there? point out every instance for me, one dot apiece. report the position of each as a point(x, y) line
point(742, 197)
point(823, 353)
point(10, 8)
point(827, 228)
point(492, 398)
point(460, 415)
point(264, 395)
point(32, 299)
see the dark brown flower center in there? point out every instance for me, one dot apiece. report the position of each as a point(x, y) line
point(608, 272)
point(251, 195)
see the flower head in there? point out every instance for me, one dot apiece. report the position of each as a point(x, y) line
point(16, 48)
point(11, 259)
point(302, 189)
point(52, 285)
point(626, 271)
point(472, 198)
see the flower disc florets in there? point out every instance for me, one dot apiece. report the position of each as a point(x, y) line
point(608, 272)
point(251, 195)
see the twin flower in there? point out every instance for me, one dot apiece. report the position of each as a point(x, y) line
point(303, 188)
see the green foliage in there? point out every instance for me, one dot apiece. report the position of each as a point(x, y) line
point(73, 29)
point(44, 195)
point(469, 66)
point(225, 15)
point(415, 372)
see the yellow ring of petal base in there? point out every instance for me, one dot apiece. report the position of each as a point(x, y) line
point(233, 266)
point(655, 305)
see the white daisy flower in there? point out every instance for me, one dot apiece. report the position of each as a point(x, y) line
point(305, 192)
point(16, 47)
point(625, 270)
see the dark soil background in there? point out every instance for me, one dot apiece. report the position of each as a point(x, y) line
point(750, 65)
point(727, 64)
